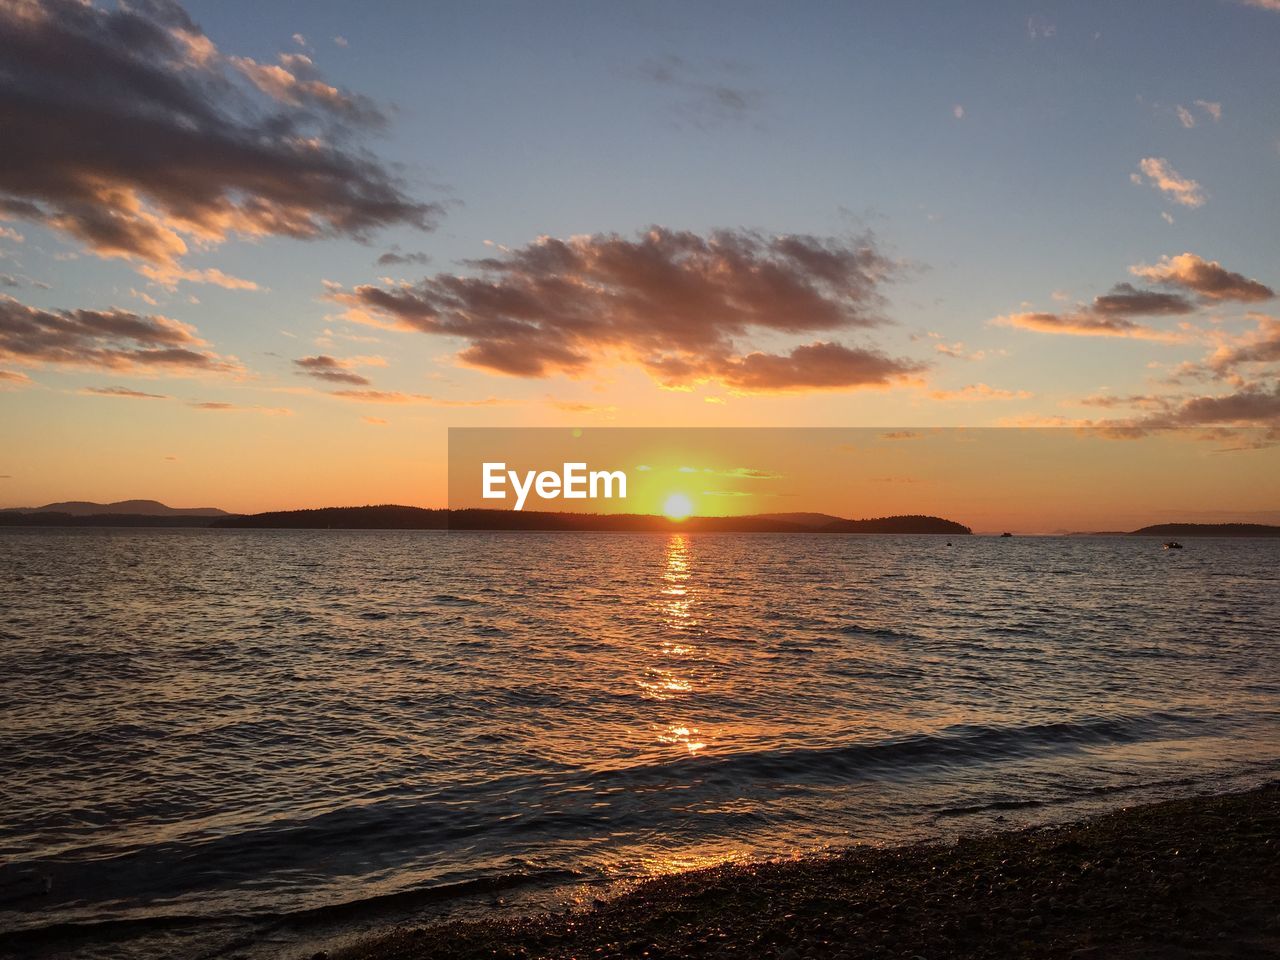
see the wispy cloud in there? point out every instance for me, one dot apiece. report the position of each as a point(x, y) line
point(395, 397)
point(219, 406)
point(395, 257)
point(980, 391)
point(331, 369)
point(123, 392)
point(1040, 28)
point(1161, 175)
point(706, 95)
point(1212, 109)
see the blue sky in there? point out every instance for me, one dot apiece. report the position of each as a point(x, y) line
point(989, 149)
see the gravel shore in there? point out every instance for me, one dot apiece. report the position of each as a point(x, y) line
point(1183, 879)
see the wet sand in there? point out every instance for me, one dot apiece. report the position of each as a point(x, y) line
point(1182, 879)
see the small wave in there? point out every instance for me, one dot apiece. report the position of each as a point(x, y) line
point(876, 633)
point(452, 600)
point(986, 807)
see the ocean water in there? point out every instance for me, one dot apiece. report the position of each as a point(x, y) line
point(240, 743)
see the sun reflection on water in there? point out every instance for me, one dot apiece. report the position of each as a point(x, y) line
point(670, 678)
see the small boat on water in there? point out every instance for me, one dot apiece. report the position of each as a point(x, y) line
point(1006, 534)
point(1172, 545)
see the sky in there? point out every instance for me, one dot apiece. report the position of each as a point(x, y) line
point(263, 256)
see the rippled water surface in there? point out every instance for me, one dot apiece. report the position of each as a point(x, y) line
point(218, 739)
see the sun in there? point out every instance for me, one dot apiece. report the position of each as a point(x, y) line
point(677, 507)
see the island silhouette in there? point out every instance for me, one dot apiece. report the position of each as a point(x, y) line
point(152, 513)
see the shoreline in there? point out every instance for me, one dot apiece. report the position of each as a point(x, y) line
point(1188, 878)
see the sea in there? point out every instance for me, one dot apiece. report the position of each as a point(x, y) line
point(258, 743)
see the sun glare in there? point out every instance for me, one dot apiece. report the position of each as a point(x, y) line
point(677, 507)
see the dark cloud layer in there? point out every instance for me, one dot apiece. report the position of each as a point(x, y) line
point(682, 305)
point(129, 130)
point(393, 257)
point(103, 339)
point(1126, 300)
point(330, 369)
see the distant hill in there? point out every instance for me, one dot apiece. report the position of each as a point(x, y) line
point(390, 517)
point(18, 518)
point(382, 517)
point(1208, 530)
point(141, 508)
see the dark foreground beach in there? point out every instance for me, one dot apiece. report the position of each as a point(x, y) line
point(1181, 879)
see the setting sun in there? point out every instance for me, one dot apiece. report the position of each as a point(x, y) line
point(677, 506)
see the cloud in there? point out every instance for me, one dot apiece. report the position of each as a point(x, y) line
point(1259, 346)
point(749, 473)
point(958, 111)
point(128, 129)
point(112, 339)
point(1201, 283)
point(1135, 401)
point(331, 369)
point(1263, 4)
point(1124, 300)
point(1206, 277)
point(394, 257)
point(1211, 108)
point(981, 391)
point(1086, 324)
point(1253, 404)
point(813, 366)
point(125, 392)
point(1185, 116)
point(295, 81)
point(958, 350)
point(1039, 27)
point(13, 376)
point(394, 397)
point(167, 275)
point(341, 41)
point(581, 406)
point(1161, 175)
point(707, 98)
point(8, 233)
point(374, 421)
point(222, 407)
point(680, 305)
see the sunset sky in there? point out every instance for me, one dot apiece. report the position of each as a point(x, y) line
point(262, 256)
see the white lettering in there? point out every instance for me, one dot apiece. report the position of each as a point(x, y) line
point(609, 478)
point(574, 482)
point(575, 473)
point(548, 485)
point(494, 476)
point(521, 491)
